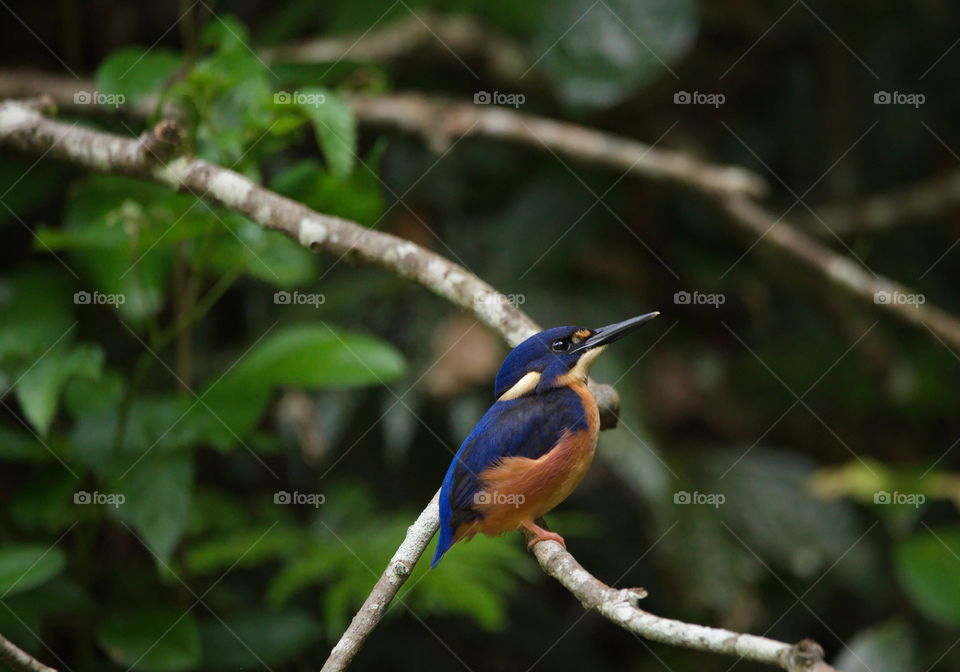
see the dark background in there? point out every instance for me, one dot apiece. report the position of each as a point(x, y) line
point(802, 543)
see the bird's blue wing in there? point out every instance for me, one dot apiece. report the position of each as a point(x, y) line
point(529, 426)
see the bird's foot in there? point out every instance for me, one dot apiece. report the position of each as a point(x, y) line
point(541, 534)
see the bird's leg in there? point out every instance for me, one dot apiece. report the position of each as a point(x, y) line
point(541, 534)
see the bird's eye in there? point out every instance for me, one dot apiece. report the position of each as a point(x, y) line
point(560, 345)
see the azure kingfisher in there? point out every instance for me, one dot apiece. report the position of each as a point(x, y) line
point(535, 444)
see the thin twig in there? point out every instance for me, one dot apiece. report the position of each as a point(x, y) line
point(931, 198)
point(397, 572)
point(461, 37)
point(20, 660)
point(440, 121)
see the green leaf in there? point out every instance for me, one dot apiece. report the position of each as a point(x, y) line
point(269, 638)
point(356, 197)
point(135, 72)
point(17, 446)
point(262, 254)
point(317, 356)
point(38, 389)
point(120, 234)
point(156, 500)
point(35, 312)
point(305, 355)
point(24, 566)
point(928, 565)
point(246, 548)
point(333, 124)
point(598, 53)
point(151, 639)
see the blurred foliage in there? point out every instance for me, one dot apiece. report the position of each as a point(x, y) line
point(214, 440)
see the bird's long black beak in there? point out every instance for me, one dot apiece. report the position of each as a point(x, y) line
point(613, 332)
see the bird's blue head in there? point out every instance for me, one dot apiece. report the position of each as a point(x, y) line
point(558, 356)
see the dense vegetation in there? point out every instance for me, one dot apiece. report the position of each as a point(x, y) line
point(212, 440)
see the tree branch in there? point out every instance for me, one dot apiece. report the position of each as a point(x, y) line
point(618, 605)
point(924, 200)
point(23, 127)
point(397, 572)
point(839, 270)
point(441, 121)
point(453, 37)
point(20, 660)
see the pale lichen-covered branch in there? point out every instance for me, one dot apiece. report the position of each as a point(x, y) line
point(18, 659)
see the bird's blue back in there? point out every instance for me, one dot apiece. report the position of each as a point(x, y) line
point(529, 426)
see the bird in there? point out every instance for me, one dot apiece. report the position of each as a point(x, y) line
point(535, 444)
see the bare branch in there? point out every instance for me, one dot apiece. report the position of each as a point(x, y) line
point(23, 127)
point(618, 605)
point(394, 576)
point(441, 121)
point(441, 34)
point(18, 659)
point(839, 270)
point(919, 202)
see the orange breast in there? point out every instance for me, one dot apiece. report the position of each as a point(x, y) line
point(519, 489)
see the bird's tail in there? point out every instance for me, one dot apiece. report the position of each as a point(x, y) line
point(443, 544)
